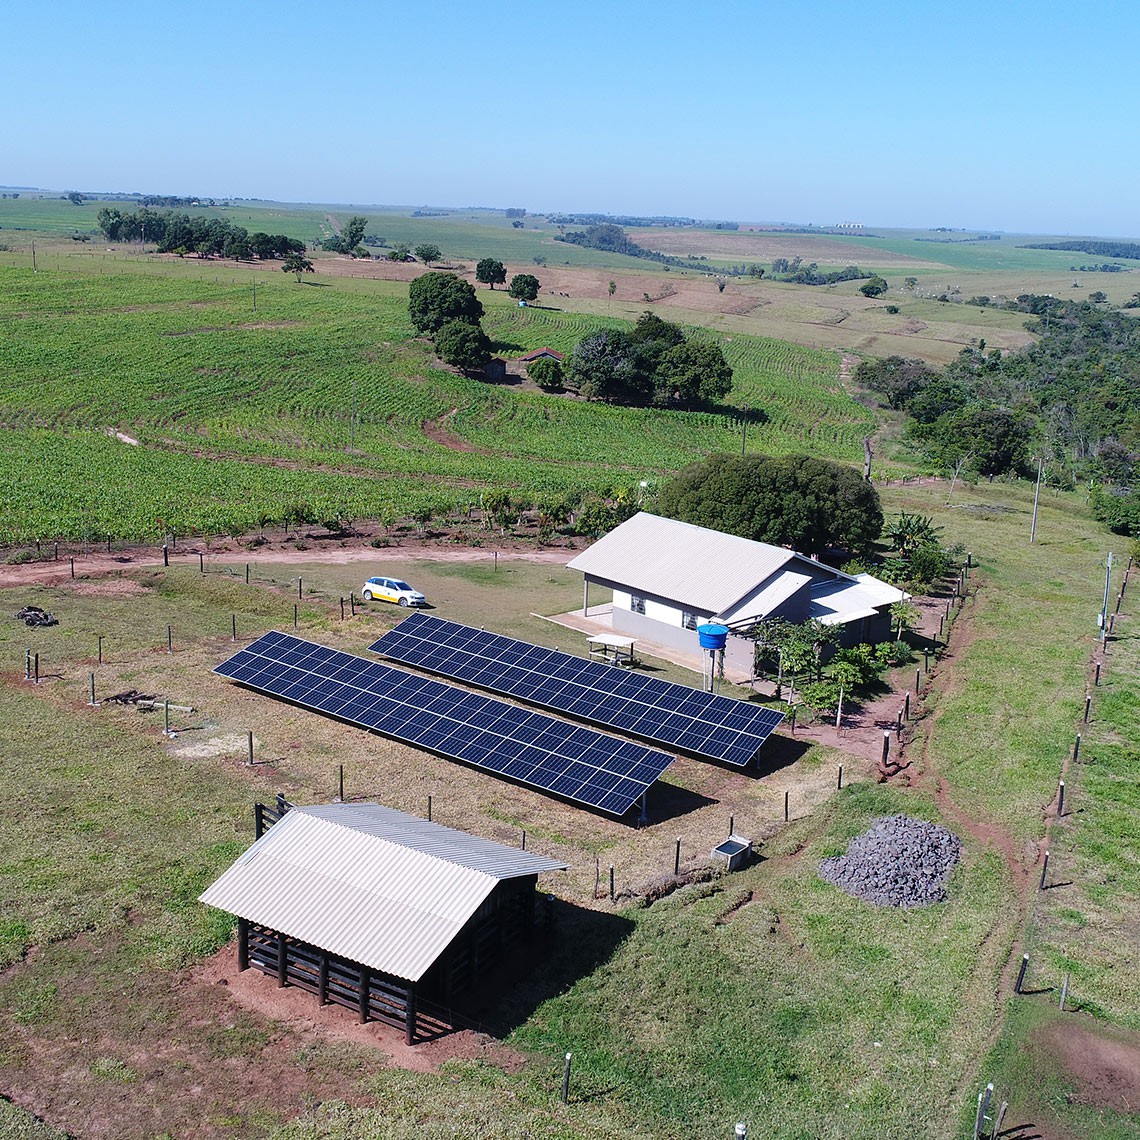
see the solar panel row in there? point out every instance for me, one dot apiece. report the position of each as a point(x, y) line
point(703, 724)
point(570, 761)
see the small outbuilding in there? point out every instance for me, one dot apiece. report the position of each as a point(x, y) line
point(541, 354)
point(669, 577)
point(388, 914)
point(495, 369)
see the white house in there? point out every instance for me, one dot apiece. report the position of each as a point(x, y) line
point(668, 577)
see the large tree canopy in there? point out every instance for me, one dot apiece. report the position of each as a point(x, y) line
point(489, 271)
point(436, 298)
point(652, 363)
point(793, 500)
point(463, 345)
point(524, 286)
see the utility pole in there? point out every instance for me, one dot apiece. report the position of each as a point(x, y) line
point(1036, 497)
point(1104, 607)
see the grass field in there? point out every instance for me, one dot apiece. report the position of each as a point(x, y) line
point(802, 1011)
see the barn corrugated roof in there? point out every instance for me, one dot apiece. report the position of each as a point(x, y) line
point(844, 600)
point(369, 883)
point(697, 567)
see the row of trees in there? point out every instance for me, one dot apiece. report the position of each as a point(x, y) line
point(654, 363)
point(207, 237)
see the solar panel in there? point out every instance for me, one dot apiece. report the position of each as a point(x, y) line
point(704, 724)
point(567, 760)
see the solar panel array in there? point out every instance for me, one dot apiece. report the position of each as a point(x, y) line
point(567, 760)
point(703, 724)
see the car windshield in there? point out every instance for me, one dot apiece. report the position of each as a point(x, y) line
point(401, 585)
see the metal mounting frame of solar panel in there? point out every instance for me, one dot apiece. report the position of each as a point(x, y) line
point(553, 756)
point(705, 725)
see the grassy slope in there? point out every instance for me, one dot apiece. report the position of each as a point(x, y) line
point(179, 361)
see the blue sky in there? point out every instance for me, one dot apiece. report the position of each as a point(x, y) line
point(1006, 115)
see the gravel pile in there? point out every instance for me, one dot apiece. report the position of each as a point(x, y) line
point(897, 861)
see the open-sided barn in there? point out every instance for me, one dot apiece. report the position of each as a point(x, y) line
point(377, 910)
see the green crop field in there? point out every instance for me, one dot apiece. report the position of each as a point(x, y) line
point(322, 395)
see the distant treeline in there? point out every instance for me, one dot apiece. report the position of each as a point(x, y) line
point(1097, 248)
point(1107, 267)
point(170, 201)
point(431, 214)
point(206, 237)
point(798, 274)
point(960, 241)
point(634, 221)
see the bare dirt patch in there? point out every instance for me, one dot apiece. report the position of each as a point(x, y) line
point(303, 1015)
point(1104, 1064)
point(437, 432)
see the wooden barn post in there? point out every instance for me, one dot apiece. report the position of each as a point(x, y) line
point(282, 962)
point(410, 1015)
point(243, 943)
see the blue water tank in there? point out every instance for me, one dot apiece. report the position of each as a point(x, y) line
point(712, 636)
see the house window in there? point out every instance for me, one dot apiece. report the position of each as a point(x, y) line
point(636, 604)
point(689, 620)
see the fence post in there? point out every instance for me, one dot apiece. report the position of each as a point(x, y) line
point(611, 882)
point(566, 1081)
point(299, 587)
point(677, 858)
point(1060, 798)
point(839, 782)
point(92, 690)
point(1044, 871)
point(1021, 973)
point(100, 649)
point(247, 573)
point(169, 640)
point(786, 795)
point(233, 626)
point(429, 809)
point(201, 562)
point(165, 555)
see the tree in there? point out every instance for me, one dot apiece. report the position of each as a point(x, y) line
point(692, 373)
point(604, 367)
point(75, 198)
point(910, 282)
point(524, 287)
point(427, 253)
point(876, 287)
point(613, 288)
point(463, 345)
point(547, 373)
point(490, 272)
point(295, 263)
point(399, 252)
point(794, 500)
point(436, 298)
point(992, 439)
point(352, 233)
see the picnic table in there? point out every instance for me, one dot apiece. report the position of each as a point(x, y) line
point(613, 648)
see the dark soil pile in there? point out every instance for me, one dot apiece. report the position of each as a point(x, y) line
point(897, 861)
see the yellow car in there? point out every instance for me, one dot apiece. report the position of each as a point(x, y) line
point(392, 590)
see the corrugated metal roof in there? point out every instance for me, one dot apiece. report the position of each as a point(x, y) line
point(844, 600)
point(372, 884)
point(697, 567)
point(777, 590)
